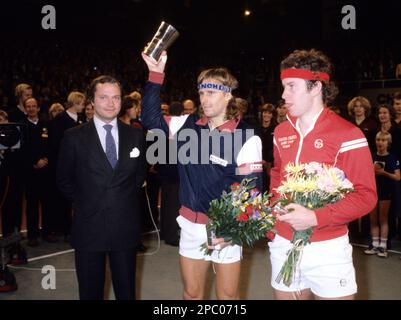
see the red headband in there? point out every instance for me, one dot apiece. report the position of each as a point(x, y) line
point(304, 74)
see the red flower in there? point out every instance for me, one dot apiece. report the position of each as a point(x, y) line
point(243, 217)
point(235, 186)
point(249, 209)
point(270, 235)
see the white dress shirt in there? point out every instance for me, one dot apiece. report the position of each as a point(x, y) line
point(34, 122)
point(73, 116)
point(102, 132)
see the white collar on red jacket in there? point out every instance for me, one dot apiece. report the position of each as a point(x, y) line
point(295, 121)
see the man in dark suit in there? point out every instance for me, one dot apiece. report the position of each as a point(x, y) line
point(36, 174)
point(12, 207)
point(101, 168)
point(23, 92)
point(59, 206)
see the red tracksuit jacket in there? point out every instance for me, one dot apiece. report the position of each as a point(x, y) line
point(334, 141)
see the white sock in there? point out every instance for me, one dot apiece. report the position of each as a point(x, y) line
point(383, 243)
point(375, 241)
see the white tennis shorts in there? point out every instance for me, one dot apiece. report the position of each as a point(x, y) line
point(326, 267)
point(193, 235)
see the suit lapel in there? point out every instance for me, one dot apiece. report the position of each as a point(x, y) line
point(95, 147)
point(123, 146)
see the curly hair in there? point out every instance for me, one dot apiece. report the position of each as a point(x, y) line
point(313, 60)
point(364, 103)
point(223, 76)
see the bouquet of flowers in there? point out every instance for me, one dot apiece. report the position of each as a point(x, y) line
point(312, 185)
point(241, 216)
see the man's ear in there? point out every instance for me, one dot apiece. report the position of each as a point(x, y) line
point(317, 88)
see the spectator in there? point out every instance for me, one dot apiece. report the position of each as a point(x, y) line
point(89, 112)
point(169, 187)
point(398, 71)
point(359, 110)
point(387, 170)
point(12, 208)
point(64, 121)
point(281, 111)
point(36, 174)
point(129, 114)
point(397, 107)
point(3, 117)
point(165, 109)
point(23, 91)
point(189, 107)
point(266, 132)
point(130, 111)
point(55, 109)
point(385, 115)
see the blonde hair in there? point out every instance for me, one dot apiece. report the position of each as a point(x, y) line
point(4, 115)
point(242, 104)
point(54, 107)
point(363, 101)
point(384, 135)
point(20, 88)
point(223, 76)
point(135, 95)
point(74, 98)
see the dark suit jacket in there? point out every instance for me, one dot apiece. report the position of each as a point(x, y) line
point(15, 115)
point(57, 127)
point(105, 206)
point(36, 143)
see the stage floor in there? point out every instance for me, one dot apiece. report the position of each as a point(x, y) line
point(158, 274)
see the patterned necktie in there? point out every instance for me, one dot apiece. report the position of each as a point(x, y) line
point(111, 152)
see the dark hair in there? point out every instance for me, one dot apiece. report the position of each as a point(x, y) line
point(389, 108)
point(269, 107)
point(397, 96)
point(176, 108)
point(128, 103)
point(96, 81)
point(313, 60)
point(280, 103)
point(31, 98)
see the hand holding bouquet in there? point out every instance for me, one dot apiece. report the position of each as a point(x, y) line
point(312, 185)
point(241, 216)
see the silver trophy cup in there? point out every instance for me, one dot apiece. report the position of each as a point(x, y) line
point(162, 40)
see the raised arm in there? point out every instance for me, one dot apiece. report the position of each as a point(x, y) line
point(151, 114)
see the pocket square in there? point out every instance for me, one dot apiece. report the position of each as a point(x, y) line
point(134, 153)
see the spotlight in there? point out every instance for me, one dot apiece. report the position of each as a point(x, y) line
point(247, 13)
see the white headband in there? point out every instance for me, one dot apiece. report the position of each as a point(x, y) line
point(215, 86)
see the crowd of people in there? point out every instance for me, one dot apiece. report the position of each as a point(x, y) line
point(47, 68)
